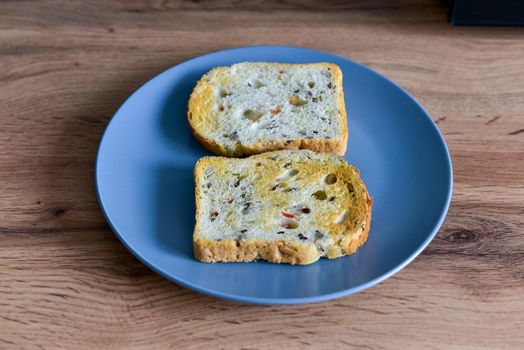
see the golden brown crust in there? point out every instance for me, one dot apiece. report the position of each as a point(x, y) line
point(200, 115)
point(244, 251)
point(342, 145)
point(360, 239)
point(200, 111)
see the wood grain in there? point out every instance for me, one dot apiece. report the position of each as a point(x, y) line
point(66, 281)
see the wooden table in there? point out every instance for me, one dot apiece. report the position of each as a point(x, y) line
point(67, 282)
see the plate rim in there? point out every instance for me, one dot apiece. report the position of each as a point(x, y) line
point(280, 300)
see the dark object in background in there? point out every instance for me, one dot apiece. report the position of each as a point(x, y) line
point(488, 12)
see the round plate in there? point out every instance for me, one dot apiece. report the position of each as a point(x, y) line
point(144, 178)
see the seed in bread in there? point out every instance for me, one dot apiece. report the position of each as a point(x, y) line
point(254, 107)
point(283, 206)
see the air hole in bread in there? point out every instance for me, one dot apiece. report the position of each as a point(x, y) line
point(258, 84)
point(293, 172)
point(311, 84)
point(287, 174)
point(297, 101)
point(260, 125)
point(342, 217)
point(330, 179)
point(223, 92)
point(319, 195)
point(252, 115)
point(351, 188)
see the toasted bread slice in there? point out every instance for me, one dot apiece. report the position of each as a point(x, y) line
point(283, 206)
point(254, 107)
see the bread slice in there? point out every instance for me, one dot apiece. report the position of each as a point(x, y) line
point(283, 206)
point(255, 107)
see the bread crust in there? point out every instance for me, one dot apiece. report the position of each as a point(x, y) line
point(200, 113)
point(229, 250)
point(276, 251)
point(360, 239)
